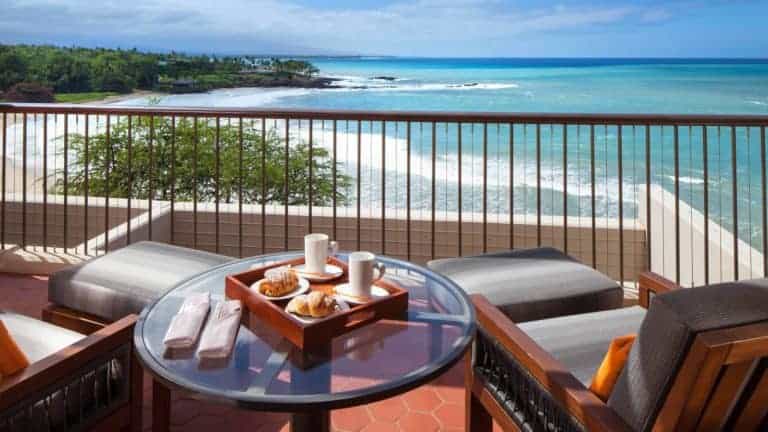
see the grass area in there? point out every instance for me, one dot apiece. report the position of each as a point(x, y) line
point(82, 97)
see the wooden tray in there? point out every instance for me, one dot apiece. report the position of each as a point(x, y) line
point(319, 333)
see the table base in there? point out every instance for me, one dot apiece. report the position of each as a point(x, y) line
point(313, 421)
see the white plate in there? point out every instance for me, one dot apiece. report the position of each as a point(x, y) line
point(331, 272)
point(342, 291)
point(309, 320)
point(303, 287)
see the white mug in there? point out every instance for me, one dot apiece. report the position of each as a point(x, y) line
point(362, 266)
point(317, 247)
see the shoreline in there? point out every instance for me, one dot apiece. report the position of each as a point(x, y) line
point(128, 96)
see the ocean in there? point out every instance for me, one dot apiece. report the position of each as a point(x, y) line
point(682, 86)
point(519, 85)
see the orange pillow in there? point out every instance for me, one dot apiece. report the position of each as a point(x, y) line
point(12, 359)
point(610, 369)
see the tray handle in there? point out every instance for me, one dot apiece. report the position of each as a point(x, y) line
point(359, 319)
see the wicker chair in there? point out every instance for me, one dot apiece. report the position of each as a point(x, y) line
point(74, 382)
point(700, 362)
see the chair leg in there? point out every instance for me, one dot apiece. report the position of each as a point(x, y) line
point(137, 395)
point(477, 418)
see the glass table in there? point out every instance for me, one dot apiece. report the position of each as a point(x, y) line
point(266, 372)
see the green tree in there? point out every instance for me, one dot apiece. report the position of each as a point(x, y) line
point(13, 68)
point(147, 167)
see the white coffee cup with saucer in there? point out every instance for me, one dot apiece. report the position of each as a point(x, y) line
point(364, 271)
point(317, 248)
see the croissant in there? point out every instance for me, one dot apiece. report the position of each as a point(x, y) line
point(315, 304)
point(279, 281)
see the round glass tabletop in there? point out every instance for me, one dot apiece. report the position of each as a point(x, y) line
point(266, 372)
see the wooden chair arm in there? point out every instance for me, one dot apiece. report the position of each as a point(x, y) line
point(563, 387)
point(66, 362)
point(650, 282)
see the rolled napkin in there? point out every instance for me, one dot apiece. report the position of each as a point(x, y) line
point(185, 326)
point(219, 335)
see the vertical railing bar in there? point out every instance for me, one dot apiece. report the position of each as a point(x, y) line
point(538, 184)
point(107, 168)
point(620, 155)
point(151, 189)
point(45, 181)
point(592, 186)
point(705, 161)
point(408, 190)
point(195, 146)
point(5, 175)
point(130, 175)
point(565, 188)
point(24, 179)
point(485, 187)
point(333, 169)
point(676, 148)
point(764, 208)
point(173, 178)
point(309, 183)
point(217, 189)
point(285, 186)
point(66, 182)
point(240, 189)
point(383, 187)
point(85, 189)
point(263, 185)
point(359, 180)
point(734, 172)
point(511, 186)
point(648, 192)
point(461, 222)
point(434, 188)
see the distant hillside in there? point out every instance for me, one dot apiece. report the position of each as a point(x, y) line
point(81, 70)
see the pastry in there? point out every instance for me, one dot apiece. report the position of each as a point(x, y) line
point(315, 304)
point(279, 282)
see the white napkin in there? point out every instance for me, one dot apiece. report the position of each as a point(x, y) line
point(219, 335)
point(185, 326)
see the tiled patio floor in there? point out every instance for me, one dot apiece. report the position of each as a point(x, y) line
point(438, 406)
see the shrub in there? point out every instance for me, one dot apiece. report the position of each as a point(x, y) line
point(29, 92)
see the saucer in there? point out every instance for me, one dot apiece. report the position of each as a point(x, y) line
point(331, 272)
point(303, 287)
point(343, 306)
point(342, 291)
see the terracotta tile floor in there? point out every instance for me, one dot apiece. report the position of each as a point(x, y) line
point(438, 406)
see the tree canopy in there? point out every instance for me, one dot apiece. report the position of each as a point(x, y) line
point(161, 156)
point(77, 70)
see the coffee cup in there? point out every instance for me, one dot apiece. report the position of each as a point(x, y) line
point(364, 270)
point(317, 247)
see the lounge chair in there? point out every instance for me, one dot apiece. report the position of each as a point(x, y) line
point(700, 362)
point(73, 382)
point(88, 296)
point(533, 284)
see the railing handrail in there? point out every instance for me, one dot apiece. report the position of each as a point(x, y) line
point(412, 116)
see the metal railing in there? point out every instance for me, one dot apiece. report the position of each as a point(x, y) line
point(684, 195)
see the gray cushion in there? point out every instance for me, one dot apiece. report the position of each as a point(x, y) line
point(532, 284)
point(37, 339)
point(672, 322)
point(580, 342)
point(126, 280)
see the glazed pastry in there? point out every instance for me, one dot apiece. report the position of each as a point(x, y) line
point(279, 281)
point(315, 304)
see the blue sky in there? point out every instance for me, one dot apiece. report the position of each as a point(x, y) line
point(448, 28)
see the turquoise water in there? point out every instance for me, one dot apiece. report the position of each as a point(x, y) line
point(539, 85)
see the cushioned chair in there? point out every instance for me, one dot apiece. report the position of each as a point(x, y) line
point(700, 362)
point(533, 284)
point(73, 382)
point(87, 296)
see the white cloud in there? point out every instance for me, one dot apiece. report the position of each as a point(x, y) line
point(405, 27)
